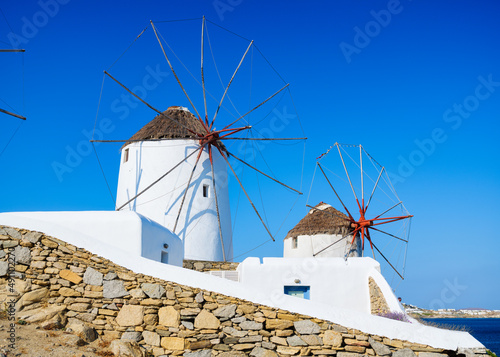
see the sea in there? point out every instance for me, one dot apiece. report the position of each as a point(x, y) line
point(486, 331)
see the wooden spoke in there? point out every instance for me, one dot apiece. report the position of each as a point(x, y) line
point(349, 178)
point(251, 110)
point(161, 177)
point(388, 262)
point(12, 114)
point(389, 234)
point(217, 208)
point(202, 72)
point(272, 178)
point(397, 204)
point(230, 81)
point(172, 69)
point(374, 188)
point(186, 190)
point(265, 139)
point(147, 104)
point(336, 194)
point(248, 197)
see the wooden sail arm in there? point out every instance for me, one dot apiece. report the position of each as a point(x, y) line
point(262, 173)
point(12, 114)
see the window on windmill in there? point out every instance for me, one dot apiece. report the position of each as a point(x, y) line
point(297, 291)
point(125, 155)
point(205, 190)
point(164, 257)
point(295, 242)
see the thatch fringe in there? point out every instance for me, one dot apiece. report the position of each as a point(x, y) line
point(317, 221)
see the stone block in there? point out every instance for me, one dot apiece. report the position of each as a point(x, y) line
point(151, 338)
point(70, 276)
point(130, 315)
point(22, 255)
point(173, 343)
point(206, 320)
point(332, 338)
point(114, 289)
point(92, 277)
point(277, 324)
point(379, 348)
point(168, 316)
point(405, 352)
point(306, 327)
point(154, 291)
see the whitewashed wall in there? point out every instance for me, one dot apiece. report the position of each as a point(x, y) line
point(332, 281)
point(197, 226)
point(128, 231)
point(307, 246)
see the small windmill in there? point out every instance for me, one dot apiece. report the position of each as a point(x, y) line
point(376, 214)
point(203, 141)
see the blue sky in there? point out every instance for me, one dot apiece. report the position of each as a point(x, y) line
point(417, 83)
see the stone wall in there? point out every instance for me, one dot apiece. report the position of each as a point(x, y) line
point(378, 304)
point(203, 266)
point(58, 284)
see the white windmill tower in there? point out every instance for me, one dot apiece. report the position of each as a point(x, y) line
point(183, 201)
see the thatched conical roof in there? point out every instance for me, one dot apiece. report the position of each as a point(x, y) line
point(323, 220)
point(161, 127)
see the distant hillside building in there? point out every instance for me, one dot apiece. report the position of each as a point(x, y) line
point(323, 232)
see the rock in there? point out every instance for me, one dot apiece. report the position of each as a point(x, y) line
point(277, 324)
point(10, 243)
point(202, 353)
point(49, 243)
point(41, 314)
point(71, 340)
point(206, 320)
point(79, 307)
point(231, 331)
point(172, 343)
point(137, 293)
point(225, 312)
point(39, 264)
point(125, 348)
point(151, 338)
point(114, 289)
point(22, 255)
point(312, 340)
point(251, 325)
point(197, 345)
point(92, 277)
point(154, 291)
point(22, 286)
point(56, 322)
point(332, 338)
point(250, 339)
point(14, 233)
point(295, 341)
point(32, 297)
point(187, 324)
point(130, 315)
point(132, 336)
point(405, 352)
point(232, 354)
point(306, 327)
point(68, 292)
point(70, 276)
point(278, 340)
point(82, 330)
point(33, 237)
point(262, 352)
point(4, 267)
point(168, 316)
point(110, 276)
point(379, 348)
point(199, 298)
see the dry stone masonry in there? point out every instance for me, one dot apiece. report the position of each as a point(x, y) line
point(60, 285)
point(204, 266)
point(378, 305)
